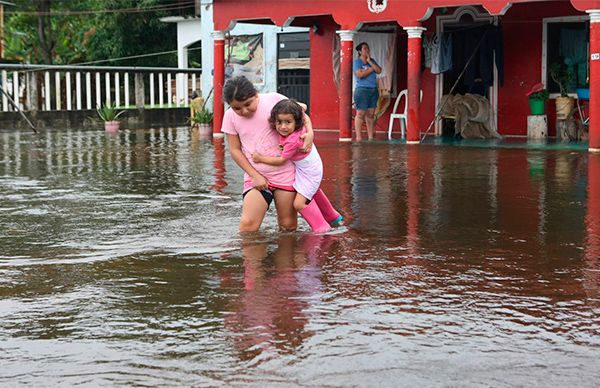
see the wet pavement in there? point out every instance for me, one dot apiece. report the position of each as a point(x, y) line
point(121, 264)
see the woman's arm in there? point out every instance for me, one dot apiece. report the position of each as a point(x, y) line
point(376, 68)
point(270, 160)
point(362, 73)
point(309, 136)
point(259, 182)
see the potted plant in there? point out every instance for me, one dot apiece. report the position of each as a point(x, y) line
point(538, 95)
point(109, 114)
point(203, 120)
point(563, 78)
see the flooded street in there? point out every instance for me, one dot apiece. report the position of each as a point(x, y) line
point(121, 264)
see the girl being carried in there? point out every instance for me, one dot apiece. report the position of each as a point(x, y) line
point(288, 119)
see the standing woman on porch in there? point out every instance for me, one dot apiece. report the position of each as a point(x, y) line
point(365, 94)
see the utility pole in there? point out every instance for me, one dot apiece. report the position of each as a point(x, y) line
point(2, 4)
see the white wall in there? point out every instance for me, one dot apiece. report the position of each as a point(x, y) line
point(191, 31)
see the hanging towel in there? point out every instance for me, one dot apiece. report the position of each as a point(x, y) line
point(427, 51)
point(441, 53)
point(435, 54)
point(446, 53)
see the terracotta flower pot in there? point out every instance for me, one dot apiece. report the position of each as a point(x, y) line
point(205, 131)
point(111, 126)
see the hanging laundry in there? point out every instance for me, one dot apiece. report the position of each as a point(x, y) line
point(446, 53)
point(427, 51)
point(441, 53)
point(481, 69)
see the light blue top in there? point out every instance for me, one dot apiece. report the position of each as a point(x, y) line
point(369, 81)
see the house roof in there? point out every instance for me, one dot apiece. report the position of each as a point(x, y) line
point(349, 14)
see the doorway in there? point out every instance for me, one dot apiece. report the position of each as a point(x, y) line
point(467, 24)
point(293, 66)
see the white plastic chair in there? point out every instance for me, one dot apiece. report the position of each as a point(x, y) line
point(402, 117)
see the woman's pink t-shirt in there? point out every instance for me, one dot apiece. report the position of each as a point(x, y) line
point(256, 136)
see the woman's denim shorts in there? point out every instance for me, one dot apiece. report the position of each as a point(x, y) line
point(366, 98)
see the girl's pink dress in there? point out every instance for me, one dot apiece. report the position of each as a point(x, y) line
point(309, 167)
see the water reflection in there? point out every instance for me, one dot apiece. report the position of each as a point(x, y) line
point(592, 255)
point(219, 164)
point(82, 195)
point(127, 244)
point(413, 183)
point(279, 282)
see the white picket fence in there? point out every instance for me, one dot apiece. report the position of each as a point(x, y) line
point(56, 88)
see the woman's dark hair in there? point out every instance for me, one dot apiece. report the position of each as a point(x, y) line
point(360, 46)
point(287, 107)
point(194, 94)
point(238, 89)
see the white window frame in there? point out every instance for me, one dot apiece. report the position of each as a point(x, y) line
point(546, 21)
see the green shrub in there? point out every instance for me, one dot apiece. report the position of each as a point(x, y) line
point(203, 116)
point(109, 112)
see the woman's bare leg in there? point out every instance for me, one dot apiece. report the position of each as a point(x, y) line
point(299, 202)
point(370, 119)
point(358, 122)
point(254, 209)
point(286, 215)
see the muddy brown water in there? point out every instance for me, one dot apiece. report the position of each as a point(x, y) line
point(121, 264)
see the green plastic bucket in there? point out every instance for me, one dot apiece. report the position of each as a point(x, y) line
point(537, 106)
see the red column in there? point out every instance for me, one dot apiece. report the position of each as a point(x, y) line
point(345, 91)
point(218, 81)
point(414, 83)
point(594, 127)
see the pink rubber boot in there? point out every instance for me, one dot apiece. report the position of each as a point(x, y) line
point(329, 213)
point(313, 216)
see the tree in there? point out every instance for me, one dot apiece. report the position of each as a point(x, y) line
point(70, 32)
point(34, 34)
point(131, 34)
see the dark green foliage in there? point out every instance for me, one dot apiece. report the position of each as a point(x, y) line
point(57, 39)
point(81, 31)
point(130, 34)
point(203, 116)
point(561, 75)
point(109, 112)
point(540, 95)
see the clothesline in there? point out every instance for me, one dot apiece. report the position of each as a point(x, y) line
point(447, 51)
point(473, 27)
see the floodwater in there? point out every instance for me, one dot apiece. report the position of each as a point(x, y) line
point(121, 264)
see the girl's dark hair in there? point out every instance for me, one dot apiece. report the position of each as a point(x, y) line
point(239, 89)
point(360, 45)
point(287, 107)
